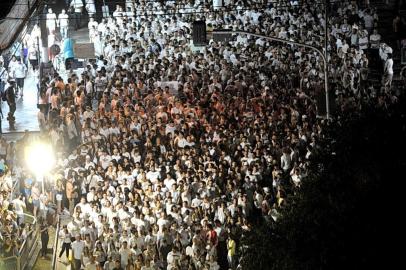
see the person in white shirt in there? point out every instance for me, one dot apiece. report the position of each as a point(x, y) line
point(125, 253)
point(63, 23)
point(77, 249)
point(92, 26)
point(90, 8)
point(11, 65)
point(51, 21)
point(77, 6)
point(65, 237)
point(369, 22)
point(384, 50)
point(153, 175)
point(388, 75)
point(345, 46)
point(19, 206)
point(217, 4)
point(88, 113)
point(33, 57)
point(363, 41)
point(20, 71)
point(286, 160)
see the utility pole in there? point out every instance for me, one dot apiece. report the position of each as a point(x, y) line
point(44, 32)
point(326, 3)
point(323, 55)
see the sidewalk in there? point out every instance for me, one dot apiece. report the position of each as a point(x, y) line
point(26, 113)
point(46, 263)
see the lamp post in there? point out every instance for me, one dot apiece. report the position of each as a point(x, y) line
point(40, 160)
point(323, 56)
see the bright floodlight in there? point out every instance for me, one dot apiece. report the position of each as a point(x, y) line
point(40, 158)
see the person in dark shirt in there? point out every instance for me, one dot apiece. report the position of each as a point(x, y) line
point(10, 97)
point(44, 238)
point(10, 92)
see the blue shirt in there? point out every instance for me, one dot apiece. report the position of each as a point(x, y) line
point(68, 48)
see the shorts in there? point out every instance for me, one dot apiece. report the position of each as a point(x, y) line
point(20, 82)
point(35, 203)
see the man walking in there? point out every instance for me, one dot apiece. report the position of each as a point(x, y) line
point(388, 69)
point(77, 249)
point(51, 22)
point(77, 6)
point(63, 23)
point(20, 72)
point(9, 96)
point(44, 238)
point(90, 8)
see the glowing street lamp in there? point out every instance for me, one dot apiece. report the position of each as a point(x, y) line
point(40, 160)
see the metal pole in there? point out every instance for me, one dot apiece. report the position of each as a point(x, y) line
point(39, 52)
point(323, 56)
point(326, 62)
point(44, 34)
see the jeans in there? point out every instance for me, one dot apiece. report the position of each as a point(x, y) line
point(64, 32)
point(44, 242)
point(65, 247)
point(77, 264)
point(231, 261)
point(20, 219)
point(78, 20)
point(2, 85)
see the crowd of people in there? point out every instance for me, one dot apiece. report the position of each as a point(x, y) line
point(167, 153)
point(14, 229)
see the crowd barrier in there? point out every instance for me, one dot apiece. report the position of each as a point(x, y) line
point(56, 243)
point(20, 258)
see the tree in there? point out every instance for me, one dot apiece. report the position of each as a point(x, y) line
point(346, 214)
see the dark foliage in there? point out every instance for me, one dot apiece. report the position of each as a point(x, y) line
point(348, 213)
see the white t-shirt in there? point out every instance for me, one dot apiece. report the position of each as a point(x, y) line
point(77, 248)
point(153, 176)
point(63, 20)
point(19, 206)
point(20, 70)
point(389, 66)
point(125, 254)
point(51, 21)
point(77, 5)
